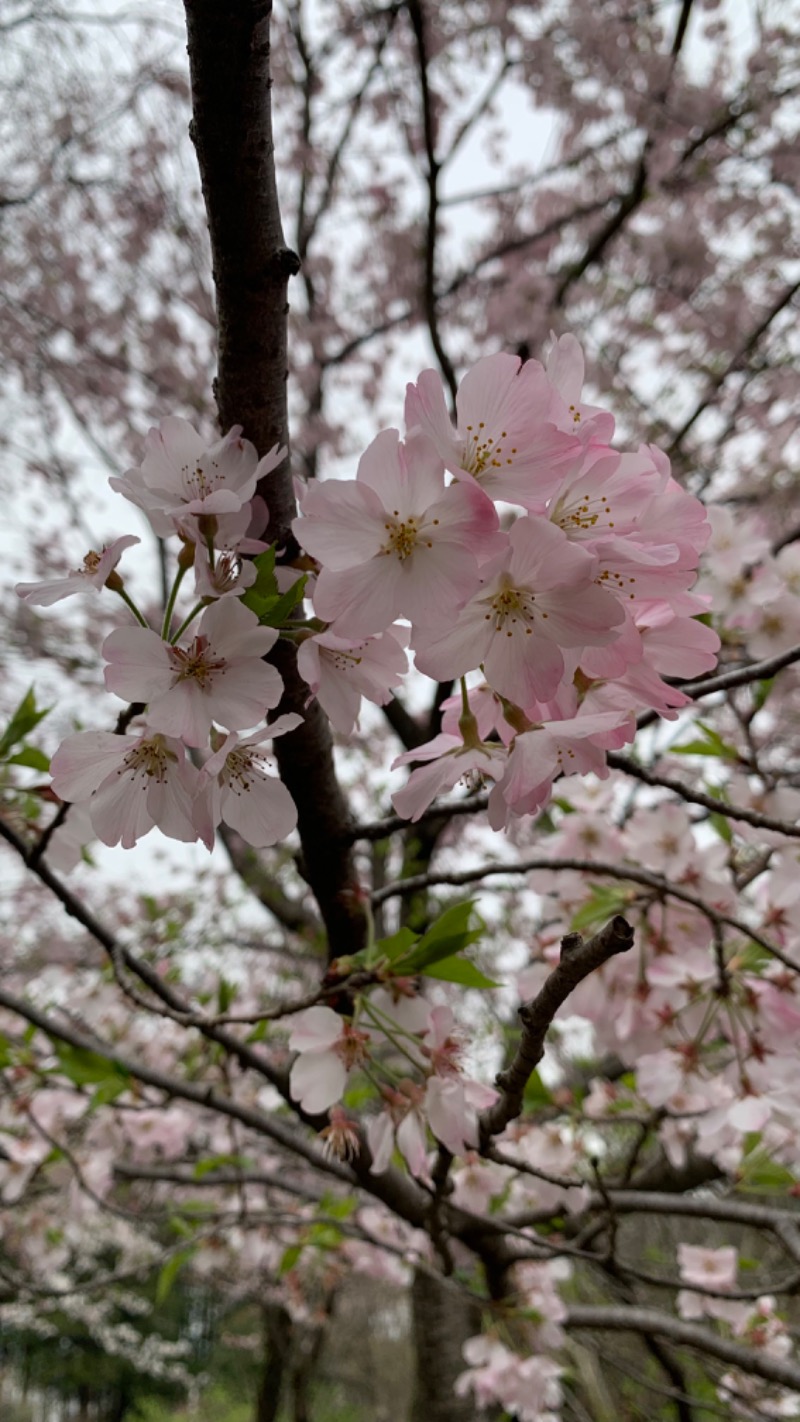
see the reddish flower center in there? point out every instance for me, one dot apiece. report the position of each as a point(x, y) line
point(196, 663)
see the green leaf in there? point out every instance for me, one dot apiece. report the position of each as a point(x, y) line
point(226, 992)
point(325, 1236)
point(265, 599)
point(170, 1272)
point(289, 1259)
point(338, 1207)
point(218, 1162)
point(278, 610)
point(86, 1068)
point(22, 722)
point(722, 826)
point(759, 1172)
point(108, 1090)
point(459, 970)
point(713, 745)
point(536, 1093)
point(450, 934)
point(33, 758)
point(399, 943)
point(606, 901)
point(265, 585)
point(761, 691)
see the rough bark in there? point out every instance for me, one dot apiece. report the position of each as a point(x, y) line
point(443, 1319)
point(277, 1345)
point(229, 58)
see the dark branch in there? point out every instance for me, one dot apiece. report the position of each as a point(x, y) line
point(578, 960)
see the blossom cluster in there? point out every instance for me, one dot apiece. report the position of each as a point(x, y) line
point(515, 550)
point(554, 568)
point(189, 684)
point(431, 1090)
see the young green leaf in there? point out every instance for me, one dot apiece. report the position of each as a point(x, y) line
point(450, 934)
point(26, 716)
point(461, 971)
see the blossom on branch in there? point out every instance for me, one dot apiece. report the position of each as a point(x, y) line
point(395, 542)
point(219, 677)
point(181, 475)
point(506, 441)
point(128, 784)
point(95, 573)
point(235, 787)
point(327, 1047)
point(340, 671)
point(536, 598)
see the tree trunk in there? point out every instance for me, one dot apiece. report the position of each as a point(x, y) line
point(277, 1346)
point(229, 60)
point(443, 1319)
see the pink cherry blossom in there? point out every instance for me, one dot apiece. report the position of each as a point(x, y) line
point(452, 1104)
point(449, 760)
point(604, 493)
point(341, 1138)
point(505, 440)
point(565, 370)
point(68, 842)
point(328, 1047)
point(229, 577)
point(130, 784)
point(487, 708)
point(395, 542)
point(340, 671)
point(236, 788)
point(527, 1388)
point(708, 1268)
point(92, 576)
point(219, 677)
point(402, 1124)
point(536, 599)
point(181, 475)
point(569, 747)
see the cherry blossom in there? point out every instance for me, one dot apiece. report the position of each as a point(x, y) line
point(402, 1124)
point(220, 676)
point(328, 1047)
point(95, 573)
point(565, 370)
point(340, 671)
point(452, 1105)
point(536, 598)
point(506, 440)
point(340, 1135)
point(395, 542)
point(528, 1388)
point(129, 783)
point(450, 760)
point(181, 475)
point(236, 788)
point(574, 746)
point(708, 1268)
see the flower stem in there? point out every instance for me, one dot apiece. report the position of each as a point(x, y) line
point(171, 600)
point(129, 602)
point(198, 608)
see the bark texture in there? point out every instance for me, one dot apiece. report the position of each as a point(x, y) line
point(444, 1318)
point(229, 58)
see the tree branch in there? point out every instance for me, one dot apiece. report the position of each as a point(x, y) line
point(649, 1320)
point(229, 57)
point(578, 960)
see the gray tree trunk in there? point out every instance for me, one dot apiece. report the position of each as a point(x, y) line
point(443, 1319)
